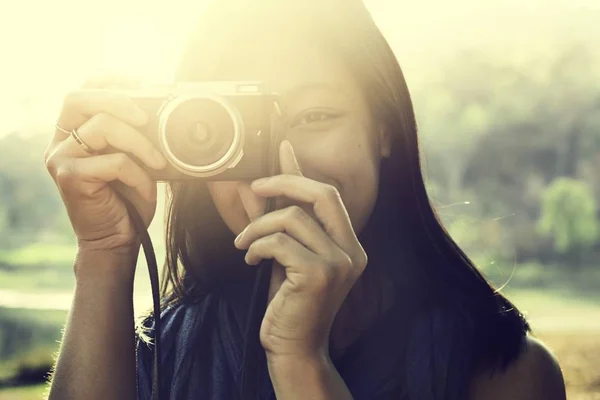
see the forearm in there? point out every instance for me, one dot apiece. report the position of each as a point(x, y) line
point(307, 379)
point(97, 354)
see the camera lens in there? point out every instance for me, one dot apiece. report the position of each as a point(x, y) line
point(200, 133)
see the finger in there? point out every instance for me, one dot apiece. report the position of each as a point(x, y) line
point(287, 251)
point(138, 201)
point(277, 278)
point(80, 105)
point(288, 164)
point(302, 266)
point(287, 159)
point(87, 175)
point(295, 222)
point(103, 130)
point(253, 205)
point(327, 205)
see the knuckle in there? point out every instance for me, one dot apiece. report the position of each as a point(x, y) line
point(279, 239)
point(361, 260)
point(71, 99)
point(255, 249)
point(51, 167)
point(105, 126)
point(64, 175)
point(330, 192)
point(49, 161)
point(98, 127)
point(296, 213)
point(86, 191)
point(345, 262)
point(103, 121)
point(122, 161)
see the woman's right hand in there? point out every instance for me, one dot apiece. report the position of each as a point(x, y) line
point(88, 181)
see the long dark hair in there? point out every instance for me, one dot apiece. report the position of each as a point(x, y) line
point(457, 322)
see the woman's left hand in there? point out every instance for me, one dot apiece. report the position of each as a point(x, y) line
point(318, 258)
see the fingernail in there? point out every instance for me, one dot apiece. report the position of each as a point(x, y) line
point(239, 237)
point(259, 182)
point(292, 156)
point(161, 162)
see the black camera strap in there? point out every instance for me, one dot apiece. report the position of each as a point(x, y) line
point(254, 356)
point(140, 227)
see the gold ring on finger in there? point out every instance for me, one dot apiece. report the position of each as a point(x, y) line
point(80, 141)
point(63, 130)
point(77, 138)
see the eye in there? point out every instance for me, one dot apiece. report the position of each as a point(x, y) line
point(312, 117)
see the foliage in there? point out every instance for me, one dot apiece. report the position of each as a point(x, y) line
point(497, 131)
point(30, 208)
point(569, 215)
point(38, 253)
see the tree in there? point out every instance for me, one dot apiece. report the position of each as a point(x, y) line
point(30, 206)
point(569, 216)
point(498, 129)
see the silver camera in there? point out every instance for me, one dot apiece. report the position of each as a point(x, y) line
point(210, 130)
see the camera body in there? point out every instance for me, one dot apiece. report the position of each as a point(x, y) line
point(211, 130)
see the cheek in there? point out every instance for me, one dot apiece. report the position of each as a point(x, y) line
point(359, 186)
point(226, 197)
point(347, 160)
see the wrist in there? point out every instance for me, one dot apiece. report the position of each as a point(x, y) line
point(292, 364)
point(314, 356)
point(312, 377)
point(105, 265)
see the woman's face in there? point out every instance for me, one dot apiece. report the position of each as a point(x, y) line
point(327, 121)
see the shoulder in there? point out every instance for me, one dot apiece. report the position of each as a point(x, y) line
point(534, 375)
point(173, 318)
point(178, 322)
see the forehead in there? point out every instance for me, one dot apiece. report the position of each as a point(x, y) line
point(286, 61)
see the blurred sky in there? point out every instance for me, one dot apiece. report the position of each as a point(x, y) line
point(50, 47)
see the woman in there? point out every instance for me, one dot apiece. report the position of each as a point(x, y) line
point(369, 296)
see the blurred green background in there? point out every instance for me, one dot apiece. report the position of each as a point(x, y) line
point(507, 96)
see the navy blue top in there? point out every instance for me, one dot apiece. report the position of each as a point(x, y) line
point(211, 330)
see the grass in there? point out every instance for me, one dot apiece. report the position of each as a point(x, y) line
point(34, 392)
point(49, 268)
point(39, 253)
point(579, 356)
point(39, 278)
point(554, 311)
point(568, 284)
point(34, 317)
point(37, 267)
point(28, 338)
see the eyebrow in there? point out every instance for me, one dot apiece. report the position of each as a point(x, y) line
point(307, 87)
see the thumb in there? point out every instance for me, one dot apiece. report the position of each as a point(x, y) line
point(278, 276)
point(288, 163)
